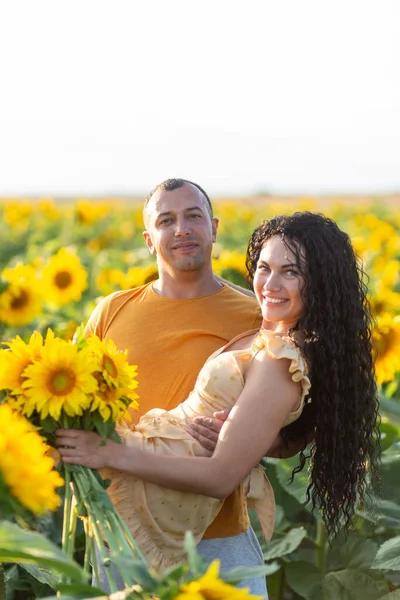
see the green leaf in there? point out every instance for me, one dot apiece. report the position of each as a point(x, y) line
point(286, 545)
point(2, 583)
point(79, 336)
point(48, 425)
point(20, 546)
point(300, 483)
point(239, 573)
point(138, 571)
point(390, 434)
point(73, 596)
point(388, 555)
point(391, 409)
point(389, 513)
point(392, 596)
point(99, 425)
point(305, 579)
point(41, 574)
point(197, 564)
point(355, 552)
point(349, 585)
point(82, 589)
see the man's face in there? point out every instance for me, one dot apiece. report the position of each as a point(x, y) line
point(180, 229)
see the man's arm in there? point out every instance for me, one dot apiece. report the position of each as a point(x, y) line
point(206, 429)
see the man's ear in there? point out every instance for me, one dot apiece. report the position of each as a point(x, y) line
point(149, 242)
point(214, 224)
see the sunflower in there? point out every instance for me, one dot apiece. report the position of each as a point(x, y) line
point(62, 380)
point(137, 276)
point(385, 301)
point(210, 587)
point(110, 280)
point(46, 207)
point(26, 472)
point(22, 300)
point(64, 278)
point(386, 339)
point(14, 361)
point(89, 212)
point(231, 265)
point(116, 379)
point(18, 214)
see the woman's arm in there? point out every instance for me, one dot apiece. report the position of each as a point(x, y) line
point(253, 424)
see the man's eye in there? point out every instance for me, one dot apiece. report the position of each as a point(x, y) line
point(194, 216)
point(164, 221)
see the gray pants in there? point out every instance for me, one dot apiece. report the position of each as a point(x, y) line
point(238, 551)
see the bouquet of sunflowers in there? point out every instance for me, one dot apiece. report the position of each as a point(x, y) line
point(50, 383)
point(88, 385)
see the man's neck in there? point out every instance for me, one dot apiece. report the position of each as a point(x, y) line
point(189, 284)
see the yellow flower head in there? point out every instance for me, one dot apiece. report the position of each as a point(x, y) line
point(14, 361)
point(22, 300)
point(210, 587)
point(47, 207)
point(384, 302)
point(88, 212)
point(116, 379)
point(64, 278)
point(109, 280)
point(61, 380)
point(137, 276)
point(25, 470)
point(18, 214)
point(386, 339)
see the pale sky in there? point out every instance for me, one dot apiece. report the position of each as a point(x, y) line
point(112, 97)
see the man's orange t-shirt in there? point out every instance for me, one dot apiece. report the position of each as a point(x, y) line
point(169, 339)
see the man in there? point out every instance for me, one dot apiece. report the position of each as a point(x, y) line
point(173, 324)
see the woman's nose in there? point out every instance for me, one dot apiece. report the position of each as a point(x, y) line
point(272, 282)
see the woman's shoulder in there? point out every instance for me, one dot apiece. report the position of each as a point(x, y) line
point(279, 346)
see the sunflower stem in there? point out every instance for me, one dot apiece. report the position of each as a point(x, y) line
point(119, 523)
point(67, 513)
point(95, 522)
point(112, 534)
point(90, 555)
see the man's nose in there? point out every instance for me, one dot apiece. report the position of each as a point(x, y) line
point(182, 227)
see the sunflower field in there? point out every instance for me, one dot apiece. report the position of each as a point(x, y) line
point(57, 260)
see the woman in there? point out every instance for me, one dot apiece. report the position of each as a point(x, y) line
point(315, 330)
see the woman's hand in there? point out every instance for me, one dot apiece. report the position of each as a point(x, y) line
point(86, 448)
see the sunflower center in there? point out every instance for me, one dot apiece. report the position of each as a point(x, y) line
point(61, 382)
point(20, 301)
point(109, 366)
point(63, 279)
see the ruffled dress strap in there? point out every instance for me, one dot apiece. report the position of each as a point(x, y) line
point(281, 346)
point(260, 495)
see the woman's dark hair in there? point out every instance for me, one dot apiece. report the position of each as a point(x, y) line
point(342, 410)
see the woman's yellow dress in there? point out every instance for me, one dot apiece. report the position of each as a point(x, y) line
point(158, 517)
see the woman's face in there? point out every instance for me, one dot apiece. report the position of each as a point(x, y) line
point(278, 285)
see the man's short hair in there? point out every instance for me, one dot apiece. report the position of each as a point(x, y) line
point(173, 184)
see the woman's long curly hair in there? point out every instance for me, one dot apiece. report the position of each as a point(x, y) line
point(342, 410)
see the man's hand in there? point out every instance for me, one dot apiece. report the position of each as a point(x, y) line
point(280, 450)
point(206, 429)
